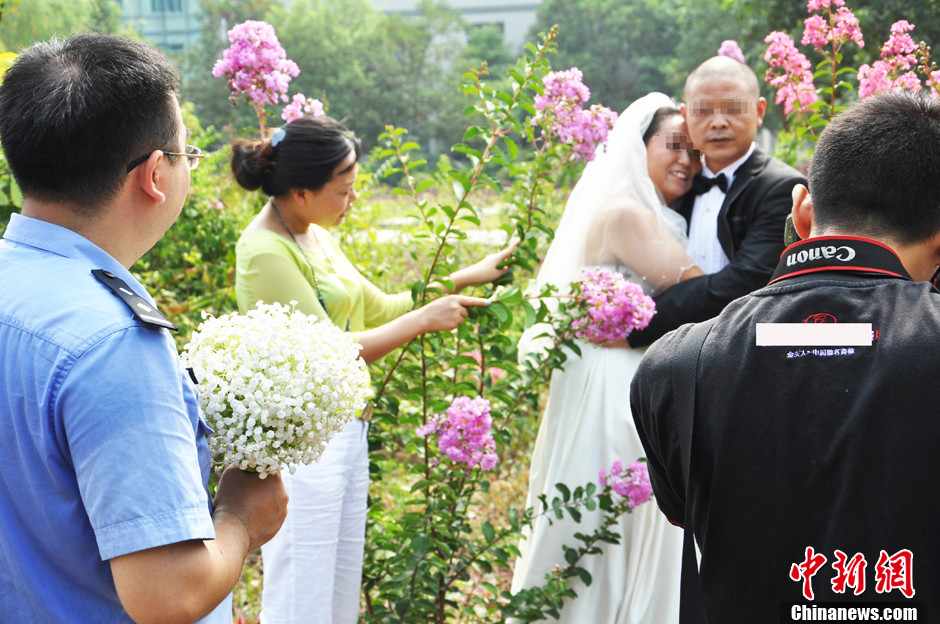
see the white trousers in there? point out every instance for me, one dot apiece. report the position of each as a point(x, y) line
point(313, 566)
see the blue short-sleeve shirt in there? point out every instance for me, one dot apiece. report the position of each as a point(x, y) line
point(102, 450)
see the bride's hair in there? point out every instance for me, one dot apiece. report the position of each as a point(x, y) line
point(658, 117)
point(302, 154)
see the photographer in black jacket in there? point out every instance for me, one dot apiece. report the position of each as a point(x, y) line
point(814, 462)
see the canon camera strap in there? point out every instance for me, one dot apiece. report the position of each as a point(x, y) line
point(839, 253)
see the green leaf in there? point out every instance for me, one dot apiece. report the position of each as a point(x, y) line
point(420, 485)
point(489, 533)
point(512, 147)
point(424, 185)
point(529, 313)
point(565, 492)
point(584, 575)
point(571, 555)
point(499, 311)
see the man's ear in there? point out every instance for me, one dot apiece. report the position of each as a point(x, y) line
point(761, 109)
point(803, 215)
point(148, 177)
point(684, 111)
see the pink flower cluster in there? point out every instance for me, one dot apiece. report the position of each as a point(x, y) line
point(895, 70)
point(302, 105)
point(464, 432)
point(789, 72)
point(838, 27)
point(730, 48)
point(632, 483)
point(609, 306)
point(255, 65)
point(561, 105)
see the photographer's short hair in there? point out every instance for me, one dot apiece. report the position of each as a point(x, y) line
point(75, 112)
point(876, 169)
point(305, 157)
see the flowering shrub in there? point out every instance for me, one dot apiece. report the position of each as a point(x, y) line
point(608, 306)
point(896, 69)
point(256, 67)
point(442, 557)
point(731, 49)
point(830, 27)
point(790, 73)
point(632, 483)
point(275, 385)
point(561, 109)
point(463, 433)
point(302, 105)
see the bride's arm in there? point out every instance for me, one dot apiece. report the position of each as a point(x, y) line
point(629, 233)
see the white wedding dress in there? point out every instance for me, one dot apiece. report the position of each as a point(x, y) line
point(587, 423)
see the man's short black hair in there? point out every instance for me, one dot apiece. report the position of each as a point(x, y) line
point(876, 169)
point(74, 113)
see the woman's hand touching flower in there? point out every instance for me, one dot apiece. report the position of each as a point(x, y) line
point(486, 270)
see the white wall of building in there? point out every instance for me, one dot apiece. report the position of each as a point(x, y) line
point(514, 17)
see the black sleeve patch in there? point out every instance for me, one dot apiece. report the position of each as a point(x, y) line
point(138, 305)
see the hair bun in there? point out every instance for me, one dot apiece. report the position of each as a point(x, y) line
point(251, 162)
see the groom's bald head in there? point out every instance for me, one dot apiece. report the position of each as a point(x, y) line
point(723, 109)
point(718, 67)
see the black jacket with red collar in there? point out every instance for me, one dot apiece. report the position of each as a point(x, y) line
point(823, 447)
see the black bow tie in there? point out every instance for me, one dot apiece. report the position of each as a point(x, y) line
point(701, 184)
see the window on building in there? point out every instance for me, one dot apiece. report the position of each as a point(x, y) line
point(166, 6)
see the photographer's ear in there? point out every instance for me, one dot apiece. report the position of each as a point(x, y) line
point(802, 212)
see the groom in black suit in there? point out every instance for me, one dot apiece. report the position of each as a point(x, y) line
point(738, 205)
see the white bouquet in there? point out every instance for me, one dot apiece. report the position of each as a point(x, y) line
point(275, 385)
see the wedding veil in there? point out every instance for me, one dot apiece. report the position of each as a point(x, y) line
point(617, 172)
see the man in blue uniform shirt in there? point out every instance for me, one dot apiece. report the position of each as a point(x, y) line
point(808, 474)
point(104, 511)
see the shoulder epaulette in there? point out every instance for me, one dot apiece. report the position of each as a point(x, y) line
point(138, 305)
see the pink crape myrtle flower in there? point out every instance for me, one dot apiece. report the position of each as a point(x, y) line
point(255, 65)
point(610, 306)
point(632, 483)
point(463, 433)
point(839, 26)
point(845, 27)
point(561, 107)
point(302, 105)
point(895, 70)
point(819, 5)
point(730, 48)
point(789, 72)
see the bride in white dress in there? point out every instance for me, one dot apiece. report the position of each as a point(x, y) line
point(617, 215)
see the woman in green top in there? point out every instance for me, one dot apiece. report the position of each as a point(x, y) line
point(313, 567)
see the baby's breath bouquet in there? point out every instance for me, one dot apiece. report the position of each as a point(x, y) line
point(275, 385)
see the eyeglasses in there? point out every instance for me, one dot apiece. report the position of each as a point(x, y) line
point(193, 153)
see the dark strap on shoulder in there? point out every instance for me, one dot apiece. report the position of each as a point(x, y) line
point(684, 372)
point(142, 310)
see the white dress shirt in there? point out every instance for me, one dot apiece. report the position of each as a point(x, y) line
point(704, 247)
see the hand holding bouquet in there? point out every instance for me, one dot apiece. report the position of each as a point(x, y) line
point(275, 385)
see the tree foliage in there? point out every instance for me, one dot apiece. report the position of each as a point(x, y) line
point(25, 22)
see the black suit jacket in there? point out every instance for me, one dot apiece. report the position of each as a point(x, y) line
point(750, 230)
